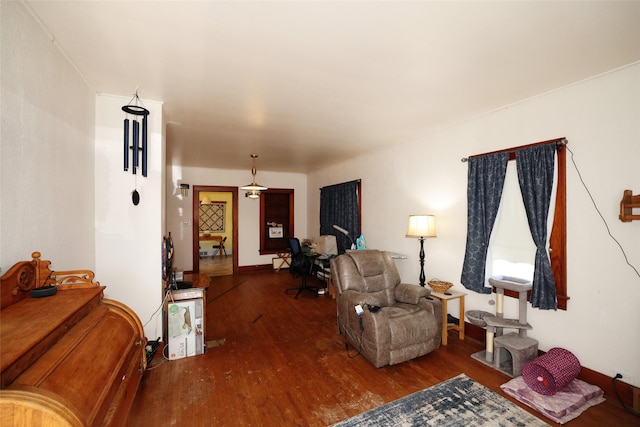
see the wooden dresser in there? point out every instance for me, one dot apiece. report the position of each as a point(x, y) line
point(70, 359)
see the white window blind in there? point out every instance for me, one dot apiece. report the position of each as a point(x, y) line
point(511, 249)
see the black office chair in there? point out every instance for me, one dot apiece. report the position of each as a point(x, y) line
point(301, 265)
point(217, 249)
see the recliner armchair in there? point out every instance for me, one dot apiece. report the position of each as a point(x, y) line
point(408, 323)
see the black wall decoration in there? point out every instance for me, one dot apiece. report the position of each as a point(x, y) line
point(139, 144)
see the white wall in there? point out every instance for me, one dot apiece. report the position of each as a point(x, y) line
point(600, 117)
point(128, 237)
point(179, 210)
point(46, 149)
point(63, 189)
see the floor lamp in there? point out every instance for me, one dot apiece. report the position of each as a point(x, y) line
point(422, 226)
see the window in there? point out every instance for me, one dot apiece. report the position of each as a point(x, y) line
point(512, 256)
point(512, 250)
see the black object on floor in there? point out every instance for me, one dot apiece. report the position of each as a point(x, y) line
point(152, 347)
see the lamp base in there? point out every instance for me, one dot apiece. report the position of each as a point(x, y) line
point(422, 276)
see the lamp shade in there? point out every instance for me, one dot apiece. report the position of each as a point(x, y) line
point(253, 190)
point(254, 187)
point(253, 194)
point(422, 226)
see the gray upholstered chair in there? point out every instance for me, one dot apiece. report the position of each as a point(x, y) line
point(408, 323)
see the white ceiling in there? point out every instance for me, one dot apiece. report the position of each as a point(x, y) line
point(304, 84)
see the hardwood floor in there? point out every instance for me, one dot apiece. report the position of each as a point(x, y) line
point(216, 266)
point(281, 362)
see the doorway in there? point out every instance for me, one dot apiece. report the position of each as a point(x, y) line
point(215, 217)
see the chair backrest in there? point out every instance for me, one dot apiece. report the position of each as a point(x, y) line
point(224, 239)
point(300, 264)
point(294, 245)
point(368, 271)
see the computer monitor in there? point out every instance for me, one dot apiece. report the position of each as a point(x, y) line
point(327, 245)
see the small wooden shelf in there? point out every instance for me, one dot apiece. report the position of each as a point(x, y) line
point(627, 204)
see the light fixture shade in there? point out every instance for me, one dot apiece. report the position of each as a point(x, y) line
point(253, 190)
point(253, 194)
point(254, 187)
point(422, 226)
point(184, 190)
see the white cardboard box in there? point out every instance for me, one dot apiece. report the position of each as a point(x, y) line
point(280, 262)
point(185, 328)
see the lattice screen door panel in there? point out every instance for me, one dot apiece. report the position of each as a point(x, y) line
point(212, 217)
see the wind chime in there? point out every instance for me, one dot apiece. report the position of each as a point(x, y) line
point(139, 143)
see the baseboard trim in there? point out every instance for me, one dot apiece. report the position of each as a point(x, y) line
point(254, 268)
point(588, 375)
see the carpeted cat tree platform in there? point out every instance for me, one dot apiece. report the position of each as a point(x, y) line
point(506, 352)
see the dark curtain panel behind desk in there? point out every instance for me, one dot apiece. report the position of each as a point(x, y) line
point(339, 205)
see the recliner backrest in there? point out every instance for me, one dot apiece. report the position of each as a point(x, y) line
point(368, 271)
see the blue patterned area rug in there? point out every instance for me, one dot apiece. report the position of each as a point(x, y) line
point(459, 401)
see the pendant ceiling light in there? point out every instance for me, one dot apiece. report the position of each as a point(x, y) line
point(253, 190)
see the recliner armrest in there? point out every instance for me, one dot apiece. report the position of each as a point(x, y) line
point(411, 294)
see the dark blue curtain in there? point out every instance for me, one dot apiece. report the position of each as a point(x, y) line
point(535, 174)
point(339, 205)
point(484, 189)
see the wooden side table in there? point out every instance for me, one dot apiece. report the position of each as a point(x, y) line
point(330, 289)
point(446, 327)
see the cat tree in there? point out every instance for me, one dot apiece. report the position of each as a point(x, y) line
point(506, 352)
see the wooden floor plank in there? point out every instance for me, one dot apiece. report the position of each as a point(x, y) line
point(282, 362)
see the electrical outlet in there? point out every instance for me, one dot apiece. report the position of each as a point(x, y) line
point(186, 223)
point(626, 377)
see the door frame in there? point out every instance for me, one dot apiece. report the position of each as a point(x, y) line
point(196, 222)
